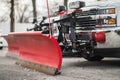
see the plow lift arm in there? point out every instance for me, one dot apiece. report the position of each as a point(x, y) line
point(38, 27)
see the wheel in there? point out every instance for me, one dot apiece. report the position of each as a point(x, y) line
point(93, 58)
point(1, 47)
point(89, 54)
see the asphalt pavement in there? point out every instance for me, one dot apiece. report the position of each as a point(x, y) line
point(72, 69)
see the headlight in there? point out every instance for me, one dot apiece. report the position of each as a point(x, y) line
point(107, 11)
point(111, 11)
point(111, 21)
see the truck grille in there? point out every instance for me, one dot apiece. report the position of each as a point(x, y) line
point(85, 22)
point(84, 19)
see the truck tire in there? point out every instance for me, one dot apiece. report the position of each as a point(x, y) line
point(1, 48)
point(93, 58)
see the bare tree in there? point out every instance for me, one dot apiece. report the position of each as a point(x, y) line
point(12, 19)
point(22, 11)
point(3, 19)
point(21, 17)
point(34, 11)
point(65, 4)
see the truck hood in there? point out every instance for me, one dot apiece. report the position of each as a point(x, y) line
point(102, 4)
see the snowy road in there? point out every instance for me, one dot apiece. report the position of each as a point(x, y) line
point(73, 69)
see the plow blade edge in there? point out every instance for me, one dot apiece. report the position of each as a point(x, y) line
point(38, 51)
point(12, 44)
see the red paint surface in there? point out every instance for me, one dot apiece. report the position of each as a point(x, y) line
point(12, 44)
point(100, 37)
point(38, 48)
point(62, 13)
point(77, 10)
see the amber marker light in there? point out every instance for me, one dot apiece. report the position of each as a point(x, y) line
point(111, 11)
point(111, 21)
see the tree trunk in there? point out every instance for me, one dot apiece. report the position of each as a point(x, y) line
point(12, 14)
point(65, 4)
point(34, 11)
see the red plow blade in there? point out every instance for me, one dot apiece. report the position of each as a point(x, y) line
point(37, 51)
point(12, 44)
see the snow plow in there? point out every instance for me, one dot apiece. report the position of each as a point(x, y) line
point(91, 32)
point(40, 52)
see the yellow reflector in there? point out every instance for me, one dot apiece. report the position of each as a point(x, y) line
point(111, 11)
point(111, 21)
